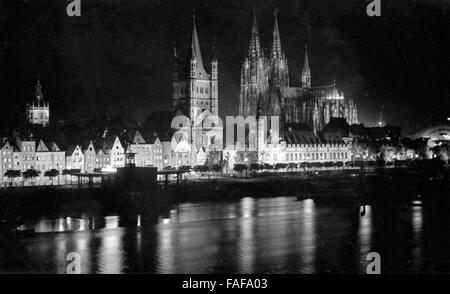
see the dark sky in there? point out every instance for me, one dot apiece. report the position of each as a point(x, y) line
point(115, 57)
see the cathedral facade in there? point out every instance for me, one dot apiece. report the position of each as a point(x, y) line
point(266, 91)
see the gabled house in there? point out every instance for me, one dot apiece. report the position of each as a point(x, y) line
point(157, 153)
point(27, 148)
point(141, 149)
point(102, 160)
point(89, 157)
point(43, 159)
point(58, 156)
point(114, 148)
point(6, 159)
point(75, 158)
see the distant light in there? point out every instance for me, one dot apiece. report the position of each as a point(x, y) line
point(166, 221)
point(111, 222)
point(448, 118)
point(109, 169)
point(417, 202)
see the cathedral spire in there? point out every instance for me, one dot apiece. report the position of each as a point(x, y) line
point(276, 43)
point(306, 73)
point(254, 50)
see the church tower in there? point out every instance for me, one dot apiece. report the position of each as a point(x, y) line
point(195, 94)
point(38, 112)
point(254, 92)
point(194, 90)
point(306, 73)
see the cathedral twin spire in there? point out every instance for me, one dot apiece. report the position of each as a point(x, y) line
point(279, 72)
point(274, 66)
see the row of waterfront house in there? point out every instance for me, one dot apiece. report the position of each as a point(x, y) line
point(108, 154)
point(29, 153)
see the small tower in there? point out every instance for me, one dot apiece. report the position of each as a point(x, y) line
point(214, 69)
point(214, 85)
point(38, 112)
point(306, 73)
point(174, 64)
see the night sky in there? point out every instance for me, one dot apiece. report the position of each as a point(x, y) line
point(116, 56)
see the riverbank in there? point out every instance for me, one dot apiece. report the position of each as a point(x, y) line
point(334, 186)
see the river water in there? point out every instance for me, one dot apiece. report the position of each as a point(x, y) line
point(266, 235)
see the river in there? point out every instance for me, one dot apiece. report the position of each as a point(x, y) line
point(248, 235)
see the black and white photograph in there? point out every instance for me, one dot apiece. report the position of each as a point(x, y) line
point(223, 137)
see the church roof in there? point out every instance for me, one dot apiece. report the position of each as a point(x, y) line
point(195, 53)
point(309, 138)
point(337, 124)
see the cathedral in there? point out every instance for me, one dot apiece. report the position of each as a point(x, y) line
point(38, 112)
point(266, 91)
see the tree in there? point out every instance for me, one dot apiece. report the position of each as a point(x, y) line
point(185, 168)
point(217, 168)
point(291, 166)
point(52, 174)
point(304, 165)
point(267, 166)
point(12, 174)
point(239, 168)
point(255, 167)
point(203, 168)
point(30, 174)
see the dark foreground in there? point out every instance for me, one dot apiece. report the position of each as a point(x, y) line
point(169, 231)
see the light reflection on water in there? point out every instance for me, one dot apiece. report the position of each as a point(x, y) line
point(65, 224)
point(267, 235)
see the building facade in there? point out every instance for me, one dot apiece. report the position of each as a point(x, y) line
point(6, 159)
point(114, 148)
point(75, 158)
point(89, 157)
point(27, 153)
point(141, 149)
point(102, 160)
